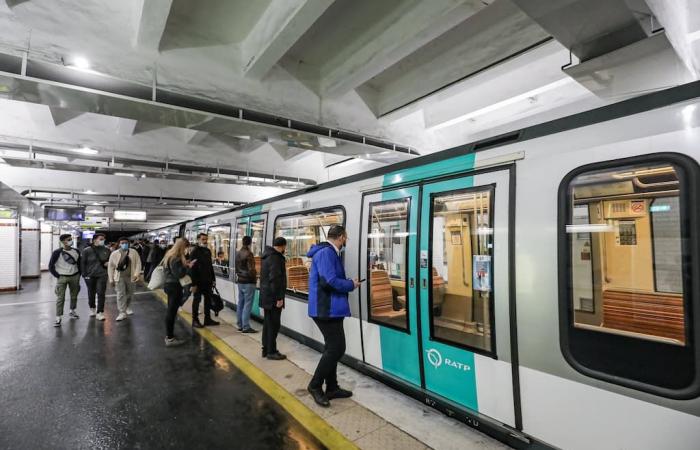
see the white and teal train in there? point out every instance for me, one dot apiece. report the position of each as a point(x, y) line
point(541, 286)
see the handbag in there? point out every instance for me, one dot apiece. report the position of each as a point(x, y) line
point(185, 281)
point(157, 278)
point(217, 303)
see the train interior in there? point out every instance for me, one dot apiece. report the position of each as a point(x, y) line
point(625, 237)
point(462, 245)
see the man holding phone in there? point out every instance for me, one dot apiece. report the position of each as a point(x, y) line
point(328, 306)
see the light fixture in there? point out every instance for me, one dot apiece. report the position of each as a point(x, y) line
point(85, 150)
point(80, 62)
point(90, 192)
point(94, 211)
point(124, 174)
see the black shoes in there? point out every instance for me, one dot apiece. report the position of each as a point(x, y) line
point(209, 322)
point(338, 393)
point(277, 356)
point(249, 330)
point(319, 396)
point(197, 324)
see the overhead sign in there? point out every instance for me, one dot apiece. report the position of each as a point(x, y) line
point(130, 216)
point(64, 214)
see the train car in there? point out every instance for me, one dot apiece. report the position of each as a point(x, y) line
point(541, 286)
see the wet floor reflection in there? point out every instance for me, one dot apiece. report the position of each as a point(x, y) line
point(115, 386)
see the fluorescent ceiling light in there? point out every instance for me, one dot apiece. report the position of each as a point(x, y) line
point(326, 142)
point(80, 62)
point(123, 174)
point(134, 216)
point(94, 211)
point(502, 104)
point(85, 151)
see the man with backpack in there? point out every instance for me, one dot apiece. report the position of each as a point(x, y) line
point(65, 266)
point(93, 266)
point(124, 270)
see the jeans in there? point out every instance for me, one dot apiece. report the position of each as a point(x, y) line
point(271, 327)
point(73, 283)
point(197, 297)
point(334, 340)
point(246, 293)
point(125, 292)
point(175, 294)
point(96, 286)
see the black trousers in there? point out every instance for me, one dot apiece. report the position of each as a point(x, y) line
point(334, 340)
point(174, 292)
point(96, 287)
point(202, 291)
point(271, 327)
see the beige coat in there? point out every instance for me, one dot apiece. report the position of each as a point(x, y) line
point(134, 269)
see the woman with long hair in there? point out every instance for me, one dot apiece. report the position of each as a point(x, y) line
point(175, 266)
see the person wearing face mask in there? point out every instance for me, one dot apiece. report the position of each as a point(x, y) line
point(124, 270)
point(93, 267)
point(203, 280)
point(328, 306)
point(65, 266)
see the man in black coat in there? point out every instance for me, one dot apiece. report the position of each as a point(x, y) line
point(203, 280)
point(273, 286)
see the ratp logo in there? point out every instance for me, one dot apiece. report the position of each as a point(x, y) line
point(434, 358)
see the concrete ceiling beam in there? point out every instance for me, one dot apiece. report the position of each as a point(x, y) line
point(282, 24)
point(408, 26)
point(150, 17)
point(681, 21)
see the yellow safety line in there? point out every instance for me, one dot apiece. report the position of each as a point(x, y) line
point(314, 423)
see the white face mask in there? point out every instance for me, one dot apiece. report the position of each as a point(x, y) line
point(99, 243)
point(68, 242)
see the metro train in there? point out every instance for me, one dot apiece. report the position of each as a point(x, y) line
point(540, 286)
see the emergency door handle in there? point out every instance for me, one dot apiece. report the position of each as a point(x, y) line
point(425, 283)
point(411, 283)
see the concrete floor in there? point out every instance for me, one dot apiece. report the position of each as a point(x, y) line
point(115, 385)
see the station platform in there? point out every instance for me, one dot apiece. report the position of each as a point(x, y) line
point(110, 384)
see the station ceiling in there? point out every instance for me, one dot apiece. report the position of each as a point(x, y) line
point(222, 102)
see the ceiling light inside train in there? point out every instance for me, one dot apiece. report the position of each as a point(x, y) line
point(85, 150)
point(80, 62)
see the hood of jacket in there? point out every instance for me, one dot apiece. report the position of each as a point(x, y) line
point(317, 248)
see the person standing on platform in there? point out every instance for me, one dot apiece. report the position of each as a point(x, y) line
point(246, 278)
point(273, 286)
point(203, 280)
point(155, 256)
point(328, 306)
point(65, 266)
point(176, 267)
point(124, 270)
point(93, 267)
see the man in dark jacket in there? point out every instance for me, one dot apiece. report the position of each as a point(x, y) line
point(246, 278)
point(273, 286)
point(328, 306)
point(155, 256)
point(203, 280)
point(65, 266)
point(93, 266)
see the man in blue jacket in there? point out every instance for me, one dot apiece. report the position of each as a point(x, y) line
point(328, 306)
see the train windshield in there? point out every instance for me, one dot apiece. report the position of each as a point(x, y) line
point(626, 252)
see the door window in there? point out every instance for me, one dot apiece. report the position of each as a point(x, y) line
point(387, 259)
point(461, 279)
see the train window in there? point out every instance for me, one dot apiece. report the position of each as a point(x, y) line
point(219, 244)
point(257, 233)
point(626, 265)
point(241, 231)
point(302, 231)
point(461, 281)
point(387, 259)
point(627, 246)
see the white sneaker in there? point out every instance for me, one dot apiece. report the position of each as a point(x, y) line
point(57, 323)
point(130, 311)
point(121, 317)
point(92, 312)
point(73, 315)
point(100, 316)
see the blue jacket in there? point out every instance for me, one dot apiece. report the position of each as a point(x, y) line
point(328, 286)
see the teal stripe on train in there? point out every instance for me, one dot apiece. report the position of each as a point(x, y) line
point(397, 353)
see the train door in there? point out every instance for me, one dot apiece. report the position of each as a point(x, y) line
point(253, 226)
point(388, 298)
point(463, 268)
